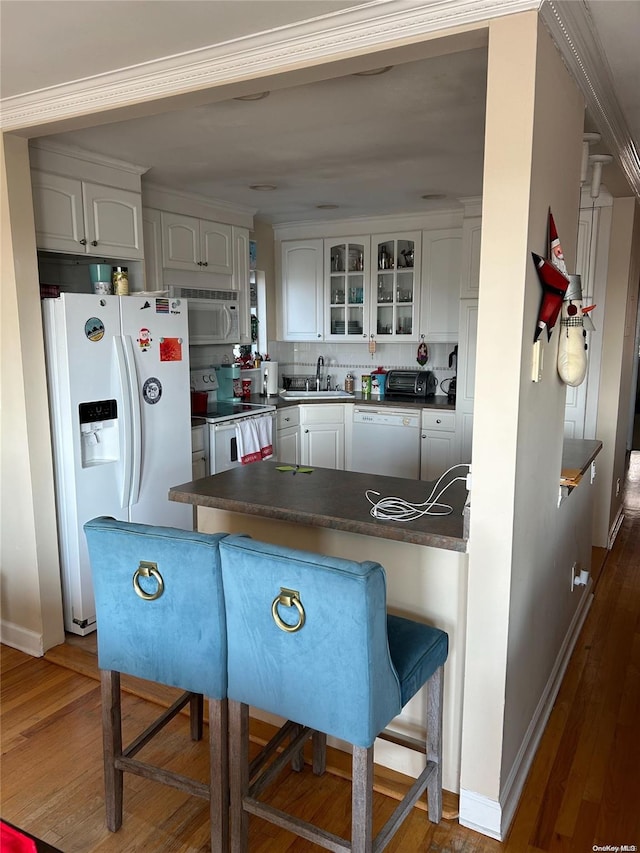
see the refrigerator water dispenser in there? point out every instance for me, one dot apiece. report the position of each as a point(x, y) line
point(99, 432)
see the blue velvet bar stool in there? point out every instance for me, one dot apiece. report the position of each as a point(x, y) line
point(160, 616)
point(310, 640)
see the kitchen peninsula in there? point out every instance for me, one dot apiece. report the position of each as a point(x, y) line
point(327, 512)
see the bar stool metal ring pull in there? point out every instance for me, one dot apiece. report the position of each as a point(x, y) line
point(147, 570)
point(288, 598)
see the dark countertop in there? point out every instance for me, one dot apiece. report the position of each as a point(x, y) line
point(438, 402)
point(327, 498)
point(577, 455)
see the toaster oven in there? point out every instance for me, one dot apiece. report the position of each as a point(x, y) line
point(411, 383)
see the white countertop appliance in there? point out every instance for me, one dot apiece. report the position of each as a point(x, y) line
point(118, 382)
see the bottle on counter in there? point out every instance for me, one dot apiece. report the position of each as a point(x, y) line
point(348, 383)
point(120, 277)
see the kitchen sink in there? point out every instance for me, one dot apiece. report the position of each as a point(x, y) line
point(316, 395)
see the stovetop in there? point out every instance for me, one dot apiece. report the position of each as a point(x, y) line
point(228, 410)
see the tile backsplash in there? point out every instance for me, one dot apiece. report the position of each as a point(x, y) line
point(340, 359)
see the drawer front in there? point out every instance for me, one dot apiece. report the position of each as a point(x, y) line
point(197, 439)
point(288, 417)
point(322, 414)
point(433, 419)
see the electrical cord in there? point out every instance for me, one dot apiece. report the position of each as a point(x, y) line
point(398, 509)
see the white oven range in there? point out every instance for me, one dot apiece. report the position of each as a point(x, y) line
point(222, 417)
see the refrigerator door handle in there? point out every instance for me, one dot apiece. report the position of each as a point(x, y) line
point(131, 433)
point(127, 419)
point(136, 421)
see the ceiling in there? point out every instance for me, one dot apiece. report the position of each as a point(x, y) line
point(368, 144)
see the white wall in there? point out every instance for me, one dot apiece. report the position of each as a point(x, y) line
point(31, 615)
point(532, 161)
point(617, 363)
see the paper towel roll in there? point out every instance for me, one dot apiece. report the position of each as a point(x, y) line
point(270, 370)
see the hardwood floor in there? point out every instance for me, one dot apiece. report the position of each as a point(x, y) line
point(583, 789)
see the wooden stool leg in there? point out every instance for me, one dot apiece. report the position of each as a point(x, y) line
point(362, 800)
point(112, 746)
point(434, 743)
point(297, 760)
point(319, 741)
point(219, 775)
point(196, 712)
point(239, 774)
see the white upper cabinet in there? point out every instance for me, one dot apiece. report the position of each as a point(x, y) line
point(470, 274)
point(440, 284)
point(395, 260)
point(346, 291)
point(196, 245)
point(81, 217)
point(301, 290)
point(240, 281)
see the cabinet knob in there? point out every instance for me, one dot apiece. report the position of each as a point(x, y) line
point(319, 336)
point(306, 430)
point(423, 436)
point(83, 242)
point(94, 242)
point(287, 419)
point(199, 263)
point(438, 421)
point(205, 263)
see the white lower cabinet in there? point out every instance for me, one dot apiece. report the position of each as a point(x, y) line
point(322, 436)
point(438, 448)
point(198, 452)
point(288, 435)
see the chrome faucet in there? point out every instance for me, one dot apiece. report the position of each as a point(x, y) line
point(318, 366)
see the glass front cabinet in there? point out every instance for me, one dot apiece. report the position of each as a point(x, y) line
point(346, 297)
point(395, 259)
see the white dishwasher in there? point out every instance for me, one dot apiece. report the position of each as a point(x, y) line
point(386, 441)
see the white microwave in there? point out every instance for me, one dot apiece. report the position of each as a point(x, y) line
point(213, 315)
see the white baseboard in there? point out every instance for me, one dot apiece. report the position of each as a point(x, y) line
point(615, 527)
point(22, 639)
point(480, 813)
point(491, 817)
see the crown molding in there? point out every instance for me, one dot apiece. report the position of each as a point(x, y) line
point(88, 156)
point(157, 195)
point(349, 33)
point(572, 29)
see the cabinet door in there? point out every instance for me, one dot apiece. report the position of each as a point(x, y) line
point(113, 221)
point(346, 265)
point(57, 207)
point(437, 453)
point(395, 258)
point(180, 242)
point(440, 286)
point(470, 275)
point(240, 281)
point(152, 234)
point(323, 445)
point(216, 253)
point(301, 290)
point(288, 445)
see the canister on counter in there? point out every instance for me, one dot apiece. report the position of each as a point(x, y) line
point(120, 276)
point(348, 383)
point(366, 383)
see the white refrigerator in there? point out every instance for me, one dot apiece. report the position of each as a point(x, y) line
point(119, 401)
